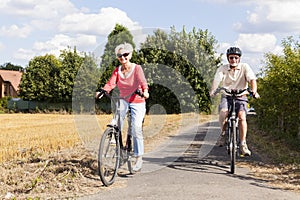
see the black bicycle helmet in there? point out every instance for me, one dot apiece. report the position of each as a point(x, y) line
point(234, 50)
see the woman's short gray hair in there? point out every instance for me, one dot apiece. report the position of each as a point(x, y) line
point(124, 48)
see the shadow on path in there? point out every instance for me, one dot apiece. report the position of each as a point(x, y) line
point(217, 161)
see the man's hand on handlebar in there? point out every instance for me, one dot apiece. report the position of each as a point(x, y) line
point(215, 92)
point(256, 95)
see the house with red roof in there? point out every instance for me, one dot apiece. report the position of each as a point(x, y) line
point(9, 83)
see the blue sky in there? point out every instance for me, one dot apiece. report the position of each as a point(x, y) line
point(30, 28)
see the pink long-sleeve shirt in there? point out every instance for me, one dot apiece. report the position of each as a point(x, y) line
point(134, 80)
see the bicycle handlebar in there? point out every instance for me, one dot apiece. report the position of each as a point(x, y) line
point(103, 92)
point(233, 92)
point(139, 92)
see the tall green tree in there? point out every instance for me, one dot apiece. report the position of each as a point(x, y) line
point(186, 61)
point(41, 78)
point(279, 88)
point(119, 35)
point(85, 85)
point(52, 79)
point(71, 61)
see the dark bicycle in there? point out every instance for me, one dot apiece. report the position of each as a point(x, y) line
point(112, 151)
point(232, 128)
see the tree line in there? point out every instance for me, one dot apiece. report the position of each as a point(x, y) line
point(178, 67)
point(10, 66)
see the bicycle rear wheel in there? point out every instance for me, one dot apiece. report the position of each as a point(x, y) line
point(108, 157)
point(233, 147)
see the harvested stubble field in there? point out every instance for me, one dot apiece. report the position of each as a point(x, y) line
point(28, 135)
point(52, 155)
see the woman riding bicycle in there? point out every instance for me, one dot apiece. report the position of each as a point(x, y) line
point(235, 75)
point(129, 77)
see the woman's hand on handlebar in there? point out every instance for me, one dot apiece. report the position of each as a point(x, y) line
point(100, 93)
point(144, 94)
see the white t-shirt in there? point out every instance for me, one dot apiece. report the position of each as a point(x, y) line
point(237, 78)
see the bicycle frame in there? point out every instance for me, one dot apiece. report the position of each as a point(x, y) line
point(233, 133)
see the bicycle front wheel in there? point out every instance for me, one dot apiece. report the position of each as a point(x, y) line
point(108, 157)
point(233, 147)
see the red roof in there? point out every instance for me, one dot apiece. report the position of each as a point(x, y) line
point(14, 77)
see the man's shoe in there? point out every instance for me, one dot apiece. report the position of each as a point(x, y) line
point(221, 140)
point(245, 151)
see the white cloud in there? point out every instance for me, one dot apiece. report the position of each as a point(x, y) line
point(257, 42)
point(41, 15)
point(70, 26)
point(284, 11)
point(80, 30)
point(24, 54)
point(255, 46)
point(55, 45)
point(15, 31)
point(100, 23)
point(272, 16)
point(59, 42)
point(37, 9)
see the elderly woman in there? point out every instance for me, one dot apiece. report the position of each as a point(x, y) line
point(129, 77)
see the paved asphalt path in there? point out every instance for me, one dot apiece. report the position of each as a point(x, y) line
point(190, 166)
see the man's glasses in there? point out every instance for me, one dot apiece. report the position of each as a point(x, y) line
point(233, 57)
point(124, 54)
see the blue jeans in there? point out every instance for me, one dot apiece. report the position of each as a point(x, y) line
point(138, 111)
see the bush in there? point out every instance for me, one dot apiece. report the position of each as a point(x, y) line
point(3, 104)
point(278, 108)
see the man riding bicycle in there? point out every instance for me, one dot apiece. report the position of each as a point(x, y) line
point(234, 75)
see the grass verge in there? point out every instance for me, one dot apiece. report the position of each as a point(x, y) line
point(279, 162)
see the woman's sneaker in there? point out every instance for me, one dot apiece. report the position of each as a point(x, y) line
point(138, 164)
point(244, 150)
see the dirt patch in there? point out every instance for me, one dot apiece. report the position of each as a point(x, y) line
point(286, 177)
point(65, 174)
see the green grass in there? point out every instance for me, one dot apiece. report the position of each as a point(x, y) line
point(272, 148)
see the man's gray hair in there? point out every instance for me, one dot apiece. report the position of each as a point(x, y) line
point(125, 47)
